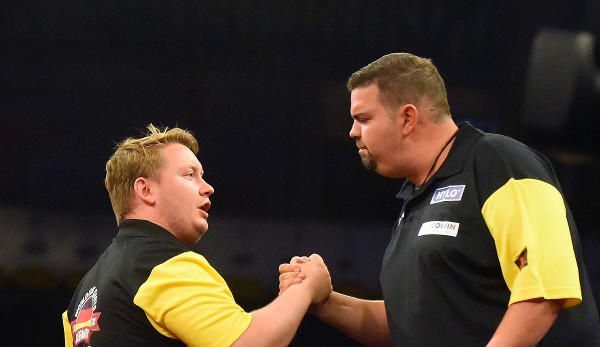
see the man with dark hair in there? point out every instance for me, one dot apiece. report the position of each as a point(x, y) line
point(485, 250)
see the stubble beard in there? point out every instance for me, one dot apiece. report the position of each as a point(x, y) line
point(368, 162)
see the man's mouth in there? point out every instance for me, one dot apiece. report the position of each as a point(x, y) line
point(205, 207)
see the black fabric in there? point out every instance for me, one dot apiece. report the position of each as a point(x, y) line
point(121, 270)
point(450, 291)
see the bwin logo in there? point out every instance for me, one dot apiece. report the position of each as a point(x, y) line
point(449, 193)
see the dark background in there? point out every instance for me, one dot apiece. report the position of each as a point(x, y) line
point(262, 85)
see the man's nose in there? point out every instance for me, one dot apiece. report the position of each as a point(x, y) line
point(207, 189)
point(354, 131)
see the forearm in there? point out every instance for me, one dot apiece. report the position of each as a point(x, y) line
point(363, 320)
point(526, 323)
point(276, 323)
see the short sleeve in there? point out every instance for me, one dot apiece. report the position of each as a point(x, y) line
point(528, 221)
point(186, 298)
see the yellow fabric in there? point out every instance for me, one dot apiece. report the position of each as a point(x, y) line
point(187, 299)
point(67, 330)
point(531, 214)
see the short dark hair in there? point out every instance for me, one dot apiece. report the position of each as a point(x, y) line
point(403, 78)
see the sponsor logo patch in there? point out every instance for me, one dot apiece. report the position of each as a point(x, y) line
point(439, 228)
point(449, 193)
point(86, 321)
point(521, 261)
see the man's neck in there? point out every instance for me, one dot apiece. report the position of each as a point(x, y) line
point(437, 139)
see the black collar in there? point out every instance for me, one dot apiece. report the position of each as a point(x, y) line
point(142, 227)
point(454, 163)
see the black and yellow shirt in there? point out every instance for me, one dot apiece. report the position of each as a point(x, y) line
point(491, 228)
point(147, 289)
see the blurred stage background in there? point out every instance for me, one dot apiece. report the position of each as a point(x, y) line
point(262, 85)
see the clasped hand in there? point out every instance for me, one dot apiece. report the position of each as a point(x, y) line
point(307, 271)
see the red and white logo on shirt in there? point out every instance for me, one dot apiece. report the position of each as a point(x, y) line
point(86, 320)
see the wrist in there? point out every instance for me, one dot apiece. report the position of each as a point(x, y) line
point(316, 308)
point(300, 292)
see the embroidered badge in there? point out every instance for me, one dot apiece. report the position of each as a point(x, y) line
point(439, 228)
point(449, 193)
point(86, 321)
point(521, 261)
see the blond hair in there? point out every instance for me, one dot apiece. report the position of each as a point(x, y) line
point(139, 157)
point(403, 78)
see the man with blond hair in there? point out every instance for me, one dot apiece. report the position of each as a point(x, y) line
point(148, 288)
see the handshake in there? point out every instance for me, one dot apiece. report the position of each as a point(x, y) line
point(308, 272)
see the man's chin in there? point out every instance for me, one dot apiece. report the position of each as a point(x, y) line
point(201, 229)
point(368, 164)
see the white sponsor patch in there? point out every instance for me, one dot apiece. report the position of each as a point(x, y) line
point(439, 228)
point(449, 193)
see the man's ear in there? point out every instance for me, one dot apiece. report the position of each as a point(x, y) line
point(409, 114)
point(143, 190)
